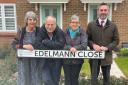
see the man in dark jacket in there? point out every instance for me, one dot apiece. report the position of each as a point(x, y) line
point(51, 38)
point(102, 36)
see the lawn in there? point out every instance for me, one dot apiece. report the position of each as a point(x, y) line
point(7, 67)
point(122, 62)
point(85, 71)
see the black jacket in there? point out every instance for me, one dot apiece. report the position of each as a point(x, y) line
point(45, 43)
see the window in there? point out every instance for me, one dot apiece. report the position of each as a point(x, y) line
point(0, 19)
point(7, 17)
point(92, 12)
point(52, 10)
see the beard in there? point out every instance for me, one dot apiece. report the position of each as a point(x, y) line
point(50, 30)
point(103, 16)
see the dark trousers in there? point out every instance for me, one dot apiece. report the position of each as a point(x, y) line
point(95, 65)
point(51, 71)
point(72, 73)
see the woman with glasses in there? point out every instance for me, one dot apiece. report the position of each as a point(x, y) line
point(76, 39)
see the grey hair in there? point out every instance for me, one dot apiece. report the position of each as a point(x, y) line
point(30, 14)
point(50, 17)
point(75, 17)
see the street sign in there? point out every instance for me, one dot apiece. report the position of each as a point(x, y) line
point(60, 54)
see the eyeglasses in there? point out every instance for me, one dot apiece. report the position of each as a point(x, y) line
point(74, 22)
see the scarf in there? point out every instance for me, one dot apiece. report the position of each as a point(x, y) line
point(73, 32)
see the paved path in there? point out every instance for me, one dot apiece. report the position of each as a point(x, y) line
point(115, 70)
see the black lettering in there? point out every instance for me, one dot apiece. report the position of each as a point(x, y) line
point(100, 54)
point(45, 53)
point(95, 54)
point(85, 54)
point(55, 53)
point(61, 53)
point(36, 53)
point(66, 53)
point(90, 54)
point(41, 53)
point(72, 54)
point(79, 54)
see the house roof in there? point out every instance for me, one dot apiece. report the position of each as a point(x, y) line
point(101, 1)
point(48, 1)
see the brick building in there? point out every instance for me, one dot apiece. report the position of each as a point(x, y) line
point(12, 14)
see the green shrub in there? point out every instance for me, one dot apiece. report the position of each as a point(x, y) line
point(7, 67)
point(4, 53)
point(5, 82)
point(114, 81)
point(124, 52)
point(122, 63)
point(87, 81)
point(119, 81)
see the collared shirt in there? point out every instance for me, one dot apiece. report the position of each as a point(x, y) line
point(105, 20)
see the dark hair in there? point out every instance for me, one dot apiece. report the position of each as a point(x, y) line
point(103, 4)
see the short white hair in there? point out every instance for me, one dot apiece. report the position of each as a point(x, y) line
point(75, 17)
point(50, 17)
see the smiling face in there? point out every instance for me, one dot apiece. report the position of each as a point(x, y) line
point(103, 11)
point(31, 22)
point(74, 24)
point(50, 24)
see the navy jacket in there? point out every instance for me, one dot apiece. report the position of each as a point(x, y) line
point(45, 43)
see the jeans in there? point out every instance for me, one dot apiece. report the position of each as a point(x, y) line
point(95, 69)
point(51, 71)
point(72, 73)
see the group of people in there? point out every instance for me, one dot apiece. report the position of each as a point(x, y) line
point(101, 35)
